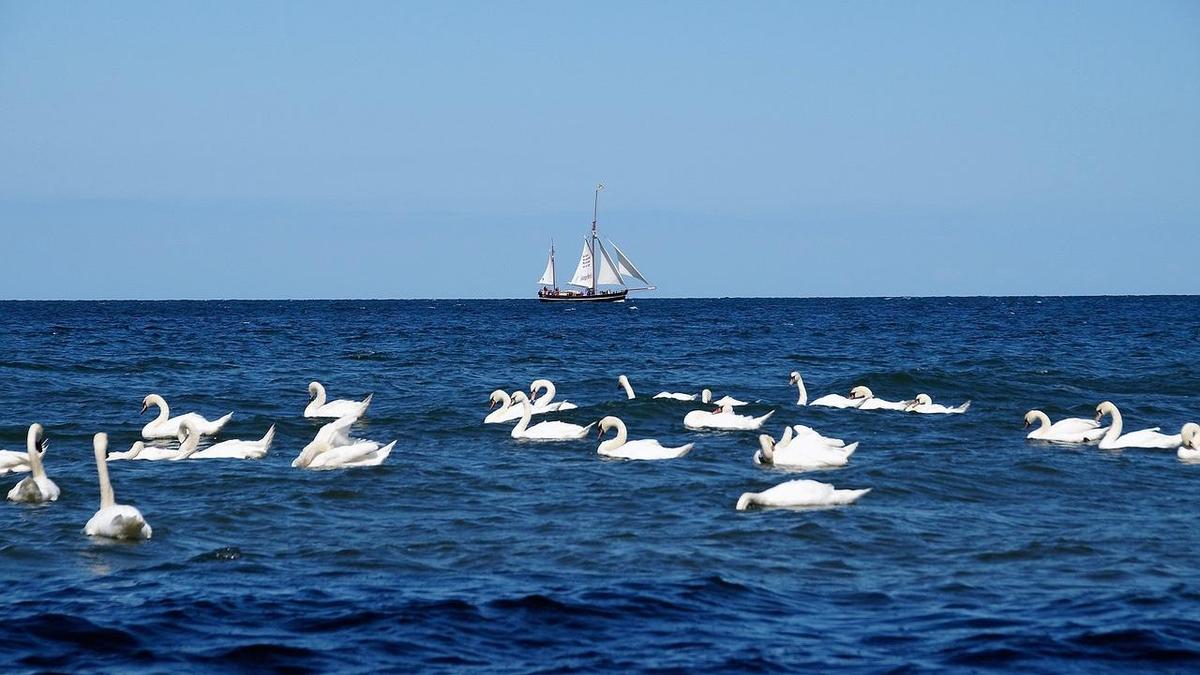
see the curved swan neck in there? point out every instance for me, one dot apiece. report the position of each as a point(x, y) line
point(318, 400)
point(35, 457)
point(546, 398)
point(100, 443)
point(1114, 429)
point(164, 410)
point(767, 444)
point(624, 382)
point(191, 441)
point(614, 443)
point(1043, 419)
point(505, 400)
point(526, 415)
point(803, 399)
point(745, 500)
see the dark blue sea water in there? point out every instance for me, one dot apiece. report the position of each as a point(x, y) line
point(975, 549)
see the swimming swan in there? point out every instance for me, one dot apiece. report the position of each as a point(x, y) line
point(333, 448)
point(165, 426)
point(871, 403)
point(113, 520)
point(544, 431)
point(723, 418)
point(799, 493)
point(319, 407)
point(646, 448)
point(189, 440)
point(805, 452)
point(140, 451)
point(36, 487)
point(705, 395)
point(509, 411)
point(1067, 430)
point(829, 400)
point(1190, 435)
point(1146, 438)
point(922, 403)
point(545, 401)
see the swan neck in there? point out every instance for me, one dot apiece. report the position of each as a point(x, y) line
point(1114, 429)
point(107, 498)
point(618, 441)
point(523, 423)
point(628, 389)
point(318, 398)
point(1044, 419)
point(190, 443)
point(803, 399)
point(35, 458)
point(547, 397)
point(164, 410)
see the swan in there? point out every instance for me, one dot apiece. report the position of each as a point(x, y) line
point(1190, 435)
point(922, 403)
point(319, 407)
point(333, 448)
point(705, 395)
point(36, 487)
point(1146, 438)
point(872, 403)
point(799, 493)
point(646, 448)
point(1068, 430)
point(723, 418)
point(804, 452)
point(829, 400)
point(189, 440)
point(113, 520)
point(140, 451)
point(509, 411)
point(165, 426)
point(545, 431)
point(544, 402)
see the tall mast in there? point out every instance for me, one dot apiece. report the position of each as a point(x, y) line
point(553, 271)
point(592, 244)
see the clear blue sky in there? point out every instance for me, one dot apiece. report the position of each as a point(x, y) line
point(295, 150)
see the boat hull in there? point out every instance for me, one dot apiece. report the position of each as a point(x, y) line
point(614, 296)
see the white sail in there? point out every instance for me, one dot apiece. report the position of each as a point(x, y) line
point(608, 271)
point(625, 266)
point(583, 273)
point(548, 276)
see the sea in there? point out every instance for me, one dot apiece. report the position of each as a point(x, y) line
point(975, 550)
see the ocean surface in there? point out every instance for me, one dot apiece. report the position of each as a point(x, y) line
point(975, 549)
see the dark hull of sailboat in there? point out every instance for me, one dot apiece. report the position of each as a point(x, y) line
point(612, 296)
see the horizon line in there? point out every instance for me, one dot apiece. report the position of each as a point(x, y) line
point(669, 297)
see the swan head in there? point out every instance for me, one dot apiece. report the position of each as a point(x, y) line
point(706, 396)
point(136, 448)
point(861, 392)
point(1031, 417)
point(313, 389)
point(622, 381)
point(186, 428)
point(919, 400)
point(497, 398)
point(1105, 408)
point(767, 445)
point(605, 424)
point(36, 441)
point(538, 385)
point(520, 397)
point(794, 377)
point(1189, 433)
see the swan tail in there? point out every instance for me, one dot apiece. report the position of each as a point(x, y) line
point(850, 496)
point(222, 421)
point(268, 438)
point(385, 451)
point(850, 449)
point(685, 449)
point(366, 402)
point(744, 501)
point(963, 408)
point(764, 418)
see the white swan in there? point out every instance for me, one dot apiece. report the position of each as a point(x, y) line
point(189, 440)
point(153, 453)
point(509, 411)
point(36, 487)
point(165, 426)
point(829, 400)
point(1190, 435)
point(546, 400)
point(799, 493)
point(1146, 438)
point(544, 431)
point(804, 452)
point(333, 448)
point(646, 448)
point(705, 395)
point(723, 418)
point(319, 407)
point(113, 520)
point(871, 403)
point(922, 403)
point(1067, 430)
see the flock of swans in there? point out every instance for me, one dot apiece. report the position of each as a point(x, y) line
point(800, 448)
point(332, 448)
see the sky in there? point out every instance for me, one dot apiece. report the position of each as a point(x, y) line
point(429, 149)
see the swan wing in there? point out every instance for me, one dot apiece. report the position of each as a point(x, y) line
point(1074, 425)
point(675, 396)
point(1151, 438)
point(836, 401)
point(647, 449)
point(551, 431)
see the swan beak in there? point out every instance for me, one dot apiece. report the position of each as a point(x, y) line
point(493, 405)
point(144, 408)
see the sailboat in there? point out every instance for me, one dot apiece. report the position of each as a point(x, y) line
point(590, 274)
